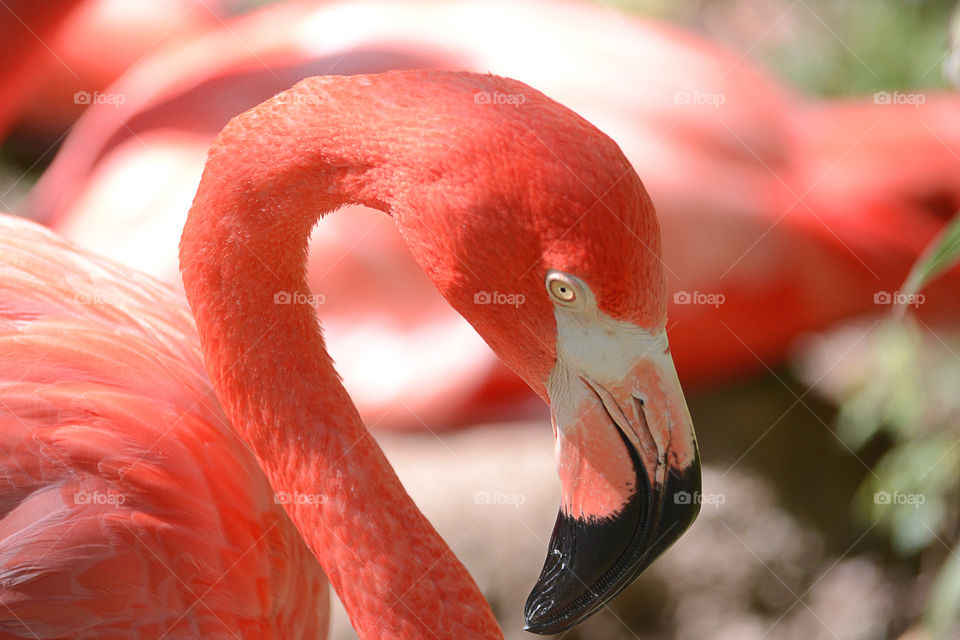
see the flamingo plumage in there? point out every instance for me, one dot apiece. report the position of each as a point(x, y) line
point(128, 509)
point(527, 198)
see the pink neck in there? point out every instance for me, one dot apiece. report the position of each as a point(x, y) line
point(271, 175)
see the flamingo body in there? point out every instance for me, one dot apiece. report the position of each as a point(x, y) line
point(127, 507)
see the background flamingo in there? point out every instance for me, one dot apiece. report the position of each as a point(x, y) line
point(24, 29)
point(58, 55)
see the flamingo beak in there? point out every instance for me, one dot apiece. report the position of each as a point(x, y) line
point(630, 477)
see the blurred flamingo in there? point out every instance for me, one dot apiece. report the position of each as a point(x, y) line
point(25, 29)
point(867, 188)
point(101, 397)
point(773, 188)
point(59, 56)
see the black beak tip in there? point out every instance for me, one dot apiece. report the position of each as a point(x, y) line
point(590, 562)
point(540, 617)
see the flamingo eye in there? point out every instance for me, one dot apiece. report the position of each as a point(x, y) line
point(562, 288)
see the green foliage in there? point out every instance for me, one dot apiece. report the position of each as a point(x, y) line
point(825, 47)
point(942, 254)
point(914, 484)
point(943, 605)
point(858, 48)
point(906, 386)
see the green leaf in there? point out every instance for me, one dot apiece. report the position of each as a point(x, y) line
point(943, 603)
point(940, 255)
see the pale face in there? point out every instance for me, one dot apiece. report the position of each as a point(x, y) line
point(627, 367)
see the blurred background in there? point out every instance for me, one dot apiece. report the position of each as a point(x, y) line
point(804, 158)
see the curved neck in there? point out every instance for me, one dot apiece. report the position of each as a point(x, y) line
point(271, 175)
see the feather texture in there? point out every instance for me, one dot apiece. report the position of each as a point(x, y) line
point(127, 506)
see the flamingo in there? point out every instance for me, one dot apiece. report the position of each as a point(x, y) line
point(494, 187)
point(59, 56)
point(25, 28)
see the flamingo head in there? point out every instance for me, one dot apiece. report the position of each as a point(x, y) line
point(535, 227)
